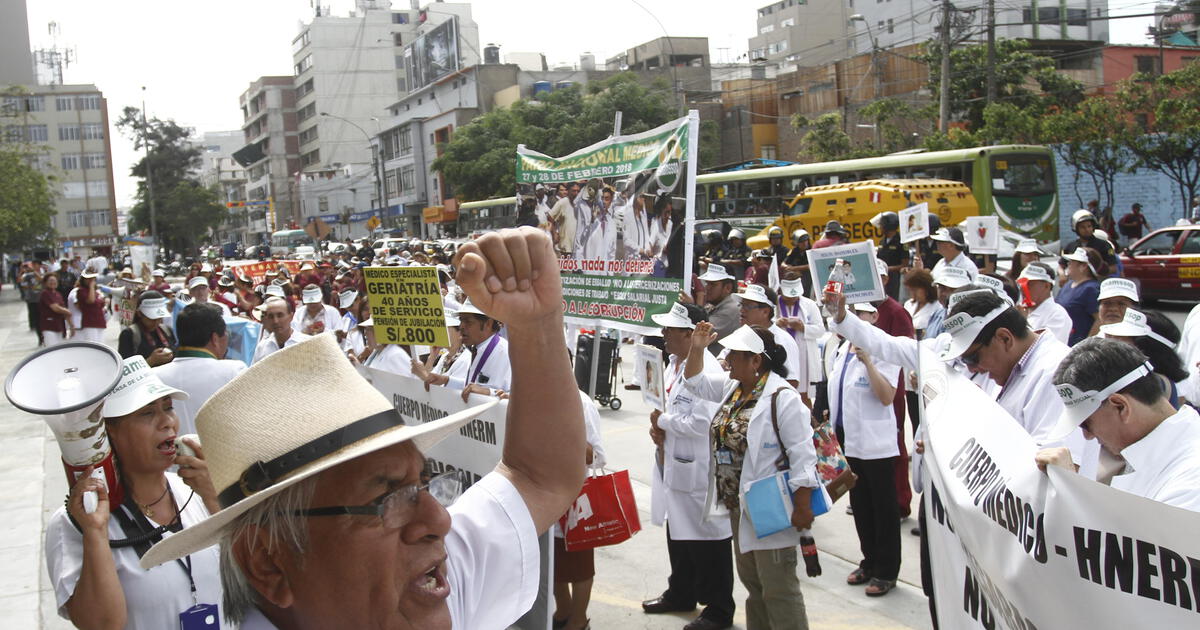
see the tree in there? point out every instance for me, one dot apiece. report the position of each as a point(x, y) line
point(1168, 108)
point(823, 139)
point(185, 211)
point(1093, 137)
point(480, 160)
point(894, 122)
point(26, 194)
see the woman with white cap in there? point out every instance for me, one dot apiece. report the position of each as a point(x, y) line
point(1157, 337)
point(762, 428)
point(89, 301)
point(1027, 251)
point(1079, 295)
point(389, 357)
point(97, 585)
point(149, 336)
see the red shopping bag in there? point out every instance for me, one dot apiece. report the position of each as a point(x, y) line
point(603, 514)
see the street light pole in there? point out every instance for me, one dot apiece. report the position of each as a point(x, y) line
point(375, 163)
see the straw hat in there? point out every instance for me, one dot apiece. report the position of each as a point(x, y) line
point(259, 446)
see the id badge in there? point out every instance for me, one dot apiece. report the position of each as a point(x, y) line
point(724, 456)
point(200, 617)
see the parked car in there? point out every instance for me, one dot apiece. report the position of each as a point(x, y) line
point(1166, 263)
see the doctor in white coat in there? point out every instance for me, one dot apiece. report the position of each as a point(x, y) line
point(700, 549)
point(746, 447)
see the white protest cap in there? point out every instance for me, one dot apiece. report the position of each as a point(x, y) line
point(865, 307)
point(451, 318)
point(311, 295)
point(1118, 287)
point(677, 317)
point(154, 308)
point(950, 235)
point(1135, 324)
point(158, 273)
point(881, 267)
point(791, 288)
point(393, 260)
point(139, 386)
point(469, 308)
point(755, 293)
point(715, 272)
point(198, 281)
point(952, 277)
point(225, 281)
point(762, 253)
point(347, 297)
point(1079, 405)
point(274, 290)
point(1036, 272)
point(995, 284)
point(206, 268)
point(743, 339)
point(1079, 255)
point(1027, 246)
point(964, 328)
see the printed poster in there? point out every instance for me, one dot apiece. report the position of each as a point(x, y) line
point(983, 235)
point(852, 265)
point(621, 214)
point(914, 223)
point(406, 305)
point(649, 366)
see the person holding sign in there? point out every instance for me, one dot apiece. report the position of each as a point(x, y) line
point(1156, 446)
point(950, 244)
point(699, 549)
point(317, 317)
point(762, 428)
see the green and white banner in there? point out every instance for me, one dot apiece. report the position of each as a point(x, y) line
point(621, 214)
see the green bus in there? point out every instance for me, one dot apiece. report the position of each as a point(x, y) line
point(1015, 182)
point(484, 216)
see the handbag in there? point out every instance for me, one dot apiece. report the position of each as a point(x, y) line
point(832, 466)
point(603, 514)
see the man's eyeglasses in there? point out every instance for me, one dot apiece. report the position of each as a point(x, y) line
point(397, 507)
point(972, 358)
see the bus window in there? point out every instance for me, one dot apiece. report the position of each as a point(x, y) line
point(702, 208)
point(1021, 175)
point(790, 187)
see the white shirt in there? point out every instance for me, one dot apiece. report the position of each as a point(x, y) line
point(870, 425)
point(635, 231)
point(267, 344)
point(153, 598)
point(659, 235)
point(73, 306)
point(809, 340)
point(797, 364)
point(329, 316)
point(1051, 317)
point(458, 368)
point(391, 358)
point(200, 378)
point(495, 371)
point(1189, 351)
point(962, 261)
point(493, 563)
point(921, 314)
point(601, 238)
point(1165, 465)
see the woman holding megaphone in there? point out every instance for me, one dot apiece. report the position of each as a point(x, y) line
point(92, 556)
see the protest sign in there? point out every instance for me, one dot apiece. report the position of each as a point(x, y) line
point(857, 273)
point(914, 223)
point(243, 338)
point(649, 366)
point(406, 305)
point(141, 258)
point(257, 271)
point(983, 235)
point(1015, 548)
point(621, 214)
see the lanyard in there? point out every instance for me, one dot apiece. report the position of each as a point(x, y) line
point(143, 525)
point(487, 352)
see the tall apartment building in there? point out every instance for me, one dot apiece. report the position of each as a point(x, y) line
point(270, 157)
point(70, 122)
point(16, 63)
point(796, 33)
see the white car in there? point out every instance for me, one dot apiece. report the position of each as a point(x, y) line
point(305, 252)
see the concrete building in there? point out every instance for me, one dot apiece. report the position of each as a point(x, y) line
point(221, 172)
point(16, 61)
point(798, 33)
point(270, 157)
point(684, 61)
point(70, 122)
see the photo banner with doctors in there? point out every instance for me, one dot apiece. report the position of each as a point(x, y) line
point(620, 213)
point(1016, 548)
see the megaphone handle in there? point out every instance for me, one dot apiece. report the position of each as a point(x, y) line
point(90, 501)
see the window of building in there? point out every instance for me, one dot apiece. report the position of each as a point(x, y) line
point(890, 28)
point(397, 39)
point(401, 85)
point(766, 29)
point(404, 139)
point(311, 158)
point(389, 184)
point(97, 189)
point(89, 102)
point(788, 22)
point(35, 104)
point(304, 65)
point(1147, 64)
point(38, 161)
point(37, 133)
point(323, 205)
point(308, 135)
point(408, 179)
point(88, 218)
point(306, 112)
point(92, 131)
point(400, 17)
point(64, 103)
point(769, 152)
point(1077, 17)
point(304, 88)
point(777, 47)
point(68, 132)
point(300, 42)
point(69, 161)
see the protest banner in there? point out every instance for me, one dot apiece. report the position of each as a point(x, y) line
point(141, 258)
point(243, 338)
point(982, 235)
point(1016, 548)
point(406, 305)
point(621, 215)
point(857, 273)
point(476, 448)
point(649, 366)
point(257, 271)
point(914, 223)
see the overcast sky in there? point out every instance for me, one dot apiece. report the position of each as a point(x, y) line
point(195, 59)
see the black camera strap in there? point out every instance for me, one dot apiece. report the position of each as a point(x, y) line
point(141, 534)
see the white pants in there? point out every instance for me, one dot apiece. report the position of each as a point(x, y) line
point(89, 334)
point(53, 338)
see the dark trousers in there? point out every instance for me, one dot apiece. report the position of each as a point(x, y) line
point(876, 516)
point(35, 319)
point(926, 568)
point(702, 572)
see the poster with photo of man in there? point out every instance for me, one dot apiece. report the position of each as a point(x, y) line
point(619, 213)
point(852, 266)
point(914, 223)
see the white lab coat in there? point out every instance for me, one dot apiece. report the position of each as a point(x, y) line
point(456, 369)
point(600, 242)
point(200, 378)
point(1053, 318)
point(635, 231)
point(808, 341)
point(1165, 464)
point(1189, 351)
point(762, 449)
point(679, 488)
point(496, 372)
point(870, 426)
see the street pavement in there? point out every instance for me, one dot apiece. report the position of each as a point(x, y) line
point(33, 486)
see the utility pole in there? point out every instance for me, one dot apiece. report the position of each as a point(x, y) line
point(149, 178)
point(991, 52)
point(944, 83)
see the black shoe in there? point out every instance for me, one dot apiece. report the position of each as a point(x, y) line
point(916, 531)
point(660, 605)
point(704, 623)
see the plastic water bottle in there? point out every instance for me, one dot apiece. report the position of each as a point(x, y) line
point(808, 549)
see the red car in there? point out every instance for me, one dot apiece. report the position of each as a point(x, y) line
point(1166, 263)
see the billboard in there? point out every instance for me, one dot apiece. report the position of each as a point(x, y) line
point(433, 55)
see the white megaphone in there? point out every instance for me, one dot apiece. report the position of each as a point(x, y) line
point(65, 384)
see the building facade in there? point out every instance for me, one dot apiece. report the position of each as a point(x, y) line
point(797, 33)
point(270, 157)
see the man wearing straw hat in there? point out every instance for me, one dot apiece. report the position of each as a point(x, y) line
point(324, 521)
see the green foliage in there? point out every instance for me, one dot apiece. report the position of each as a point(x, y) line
point(26, 194)
point(480, 160)
point(891, 117)
point(185, 211)
point(1093, 137)
point(1169, 106)
point(824, 140)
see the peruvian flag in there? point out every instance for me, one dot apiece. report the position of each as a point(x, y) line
point(876, 197)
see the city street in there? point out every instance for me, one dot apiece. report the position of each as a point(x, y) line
point(32, 482)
